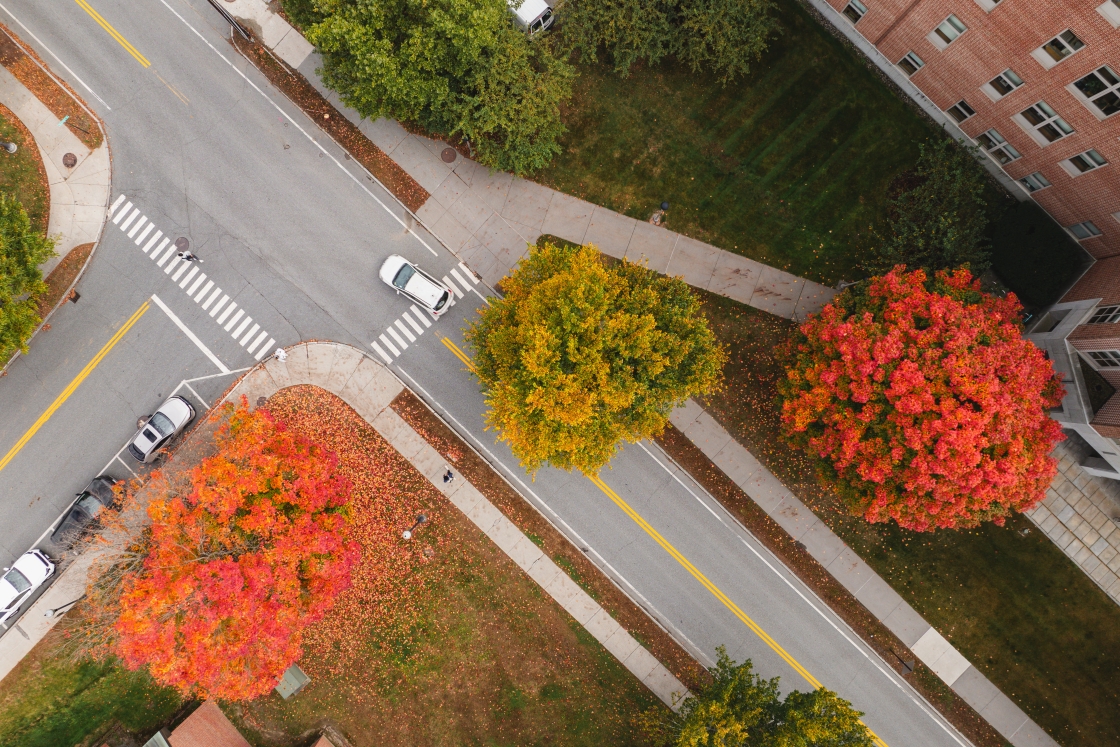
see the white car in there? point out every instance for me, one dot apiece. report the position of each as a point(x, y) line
point(166, 422)
point(405, 277)
point(22, 579)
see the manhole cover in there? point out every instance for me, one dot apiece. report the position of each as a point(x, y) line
point(182, 244)
point(69, 160)
point(448, 155)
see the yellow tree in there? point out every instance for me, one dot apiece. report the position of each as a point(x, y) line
point(579, 356)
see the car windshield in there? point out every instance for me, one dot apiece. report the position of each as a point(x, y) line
point(89, 504)
point(400, 280)
point(162, 424)
point(18, 581)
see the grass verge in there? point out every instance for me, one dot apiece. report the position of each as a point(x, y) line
point(22, 173)
point(440, 640)
point(1012, 603)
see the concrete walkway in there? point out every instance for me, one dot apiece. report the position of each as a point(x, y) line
point(79, 195)
point(856, 576)
point(368, 386)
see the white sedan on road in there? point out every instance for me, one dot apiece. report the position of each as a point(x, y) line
point(404, 277)
point(22, 579)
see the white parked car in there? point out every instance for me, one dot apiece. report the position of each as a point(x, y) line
point(531, 15)
point(406, 278)
point(166, 422)
point(20, 581)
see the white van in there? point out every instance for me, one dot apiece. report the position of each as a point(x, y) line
point(532, 15)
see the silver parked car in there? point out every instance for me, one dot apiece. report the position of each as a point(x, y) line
point(406, 278)
point(20, 581)
point(165, 423)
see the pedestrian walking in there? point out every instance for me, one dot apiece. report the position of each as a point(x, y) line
point(448, 476)
point(188, 256)
point(281, 354)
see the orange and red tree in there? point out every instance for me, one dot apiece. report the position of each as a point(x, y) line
point(238, 565)
point(921, 402)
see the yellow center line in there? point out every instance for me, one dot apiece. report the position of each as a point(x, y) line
point(113, 32)
point(711, 587)
point(460, 354)
point(73, 385)
point(676, 554)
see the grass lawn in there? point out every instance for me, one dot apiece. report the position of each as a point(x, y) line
point(442, 640)
point(22, 173)
point(788, 166)
point(1014, 605)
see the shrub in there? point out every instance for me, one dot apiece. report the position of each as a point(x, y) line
point(22, 250)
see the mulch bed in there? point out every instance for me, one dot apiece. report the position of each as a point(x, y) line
point(629, 615)
point(62, 277)
point(300, 92)
point(55, 95)
point(840, 600)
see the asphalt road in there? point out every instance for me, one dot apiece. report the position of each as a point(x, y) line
point(293, 232)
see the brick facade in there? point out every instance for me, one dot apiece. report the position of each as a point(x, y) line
point(1002, 39)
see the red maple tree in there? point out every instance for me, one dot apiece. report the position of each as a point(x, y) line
point(922, 402)
point(238, 565)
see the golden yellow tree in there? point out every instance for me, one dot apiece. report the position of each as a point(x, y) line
point(579, 356)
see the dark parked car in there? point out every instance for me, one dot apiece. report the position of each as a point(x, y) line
point(85, 509)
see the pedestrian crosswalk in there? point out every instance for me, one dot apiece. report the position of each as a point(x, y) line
point(190, 278)
point(408, 327)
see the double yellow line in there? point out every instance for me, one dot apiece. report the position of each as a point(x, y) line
point(113, 32)
point(458, 352)
point(73, 385)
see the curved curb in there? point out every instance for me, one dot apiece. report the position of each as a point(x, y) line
point(368, 386)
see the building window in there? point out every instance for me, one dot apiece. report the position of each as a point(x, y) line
point(1101, 88)
point(1035, 182)
point(855, 10)
point(1106, 358)
point(1043, 120)
point(947, 33)
point(1002, 84)
point(997, 147)
point(1057, 49)
point(1083, 162)
point(911, 63)
point(1084, 230)
point(988, 5)
point(1105, 315)
point(960, 111)
point(1110, 9)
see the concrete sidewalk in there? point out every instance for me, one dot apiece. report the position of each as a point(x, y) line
point(781, 505)
point(79, 195)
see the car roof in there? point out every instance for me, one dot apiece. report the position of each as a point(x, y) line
point(420, 286)
point(175, 409)
point(530, 10)
point(31, 566)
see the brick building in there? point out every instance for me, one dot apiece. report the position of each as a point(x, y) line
point(1035, 82)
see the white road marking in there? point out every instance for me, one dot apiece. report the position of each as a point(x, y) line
point(180, 271)
point(241, 328)
point(152, 241)
point(421, 316)
point(144, 234)
point(249, 334)
point(205, 289)
point(236, 317)
point(139, 224)
point(256, 342)
point(264, 348)
point(128, 221)
point(400, 340)
point(391, 346)
point(121, 214)
point(116, 203)
point(384, 356)
point(400, 325)
point(227, 312)
point(452, 286)
point(469, 273)
point(160, 249)
point(457, 276)
point(193, 337)
point(173, 262)
point(219, 307)
point(205, 306)
point(408, 318)
point(187, 279)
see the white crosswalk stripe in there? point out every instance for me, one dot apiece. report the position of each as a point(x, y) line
point(421, 316)
point(384, 356)
point(452, 286)
point(189, 277)
point(386, 343)
point(404, 330)
point(412, 322)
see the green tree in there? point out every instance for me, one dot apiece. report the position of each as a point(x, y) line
point(578, 356)
point(626, 30)
point(937, 224)
point(453, 67)
point(740, 708)
point(724, 36)
point(22, 250)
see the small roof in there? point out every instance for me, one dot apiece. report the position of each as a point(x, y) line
point(207, 727)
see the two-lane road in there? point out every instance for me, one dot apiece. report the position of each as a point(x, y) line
point(291, 232)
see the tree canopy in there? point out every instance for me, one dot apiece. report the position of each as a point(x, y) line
point(937, 221)
point(452, 67)
point(22, 250)
point(721, 36)
point(236, 565)
point(740, 708)
point(578, 356)
point(922, 403)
